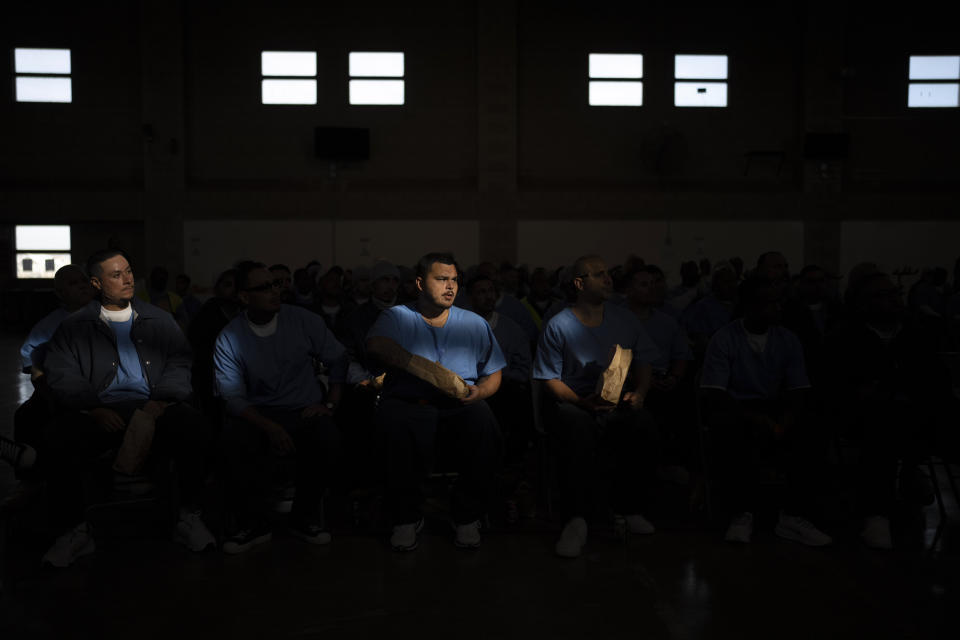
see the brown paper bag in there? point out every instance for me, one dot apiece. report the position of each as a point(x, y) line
point(136, 444)
point(610, 383)
point(437, 375)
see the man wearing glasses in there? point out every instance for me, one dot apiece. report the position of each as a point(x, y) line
point(264, 363)
point(573, 352)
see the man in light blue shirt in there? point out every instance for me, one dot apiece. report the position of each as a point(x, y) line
point(574, 350)
point(264, 364)
point(413, 415)
point(753, 382)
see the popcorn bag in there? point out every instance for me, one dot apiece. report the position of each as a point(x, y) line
point(136, 444)
point(610, 383)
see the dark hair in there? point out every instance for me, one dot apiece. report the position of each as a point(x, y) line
point(244, 269)
point(475, 280)
point(183, 276)
point(749, 291)
point(277, 267)
point(426, 262)
point(99, 257)
point(229, 273)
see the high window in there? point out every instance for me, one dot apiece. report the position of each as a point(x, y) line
point(42, 75)
point(700, 81)
point(615, 79)
point(41, 250)
point(289, 77)
point(376, 78)
point(939, 87)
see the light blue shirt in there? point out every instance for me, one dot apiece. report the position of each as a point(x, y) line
point(32, 351)
point(276, 371)
point(129, 383)
point(670, 338)
point(732, 365)
point(577, 354)
point(465, 345)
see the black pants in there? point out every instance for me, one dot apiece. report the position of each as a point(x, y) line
point(513, 408)
point(740, 448)
point(29, 424)
point(673, 411)
point(887, 431)
point(77, 445)
point(605, 455)
point(414, 432)
point(249, 467)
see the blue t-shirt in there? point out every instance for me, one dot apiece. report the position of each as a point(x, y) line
point(465, 345)
point(577, 354)
point(130, 383)
point(276, 371)
point(706, 317)
point(670, 338)
point(33, 350)
point(731, 364)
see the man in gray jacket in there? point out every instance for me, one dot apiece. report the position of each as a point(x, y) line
point(115, 356)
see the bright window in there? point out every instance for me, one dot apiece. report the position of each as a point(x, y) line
point(377, 78)
point(41, 250)
point(697, 77)
point(614, 80)
point(289, 77)
point(43, 75)
point(940, 87)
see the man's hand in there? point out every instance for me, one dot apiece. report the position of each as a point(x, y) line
point(108, 419)
point(665, 383)
point(315, 410)
point(155, 408)
point(473, 395)
point(280, 440)
point(634, 400)
point(594, 403)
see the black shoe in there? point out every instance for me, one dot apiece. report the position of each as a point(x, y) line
point(245, 539)
point(309, 532)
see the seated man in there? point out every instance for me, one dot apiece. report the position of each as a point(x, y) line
point(574, 350)
point(414, 415)
point(668, 401)
point(754, 380)
point(72, 288)
point(264, 369)
point(114, 356)
point(511, 404)
point(890, 388)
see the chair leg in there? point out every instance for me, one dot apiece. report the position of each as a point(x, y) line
point(942, 522)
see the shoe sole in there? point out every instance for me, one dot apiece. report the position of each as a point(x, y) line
point(466, 545)
point(324, 538)
point(788, 534)
point(186, 543)
point(233, 548)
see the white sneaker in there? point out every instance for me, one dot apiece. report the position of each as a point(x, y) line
point(876, 532)
point(467, 535)
point(636, 523)
point(801, 530)
point(192, 533)
point(73, 544)
point(572, 538)
point(740, 529)
point(20, 456)
point(404, 537)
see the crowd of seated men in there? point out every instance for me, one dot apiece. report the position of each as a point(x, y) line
point(318, 373)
